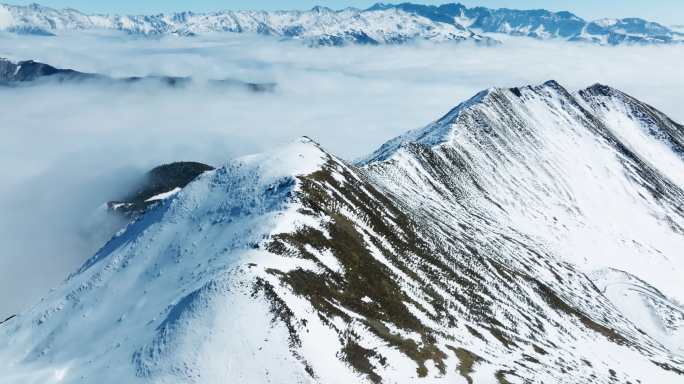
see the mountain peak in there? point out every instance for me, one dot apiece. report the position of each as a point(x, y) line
point(321, 9)
point(379, 7)
point(601, 89)
point(553, 84)
point(296, 158)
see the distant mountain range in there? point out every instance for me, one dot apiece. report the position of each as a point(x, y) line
point(31, 72)
point(379, 24)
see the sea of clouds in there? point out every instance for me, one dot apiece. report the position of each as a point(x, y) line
point(67, 149)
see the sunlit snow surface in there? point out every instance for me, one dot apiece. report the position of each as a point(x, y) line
point(170, 269)
point(644, 305)
point(318, 26)
point(161, 196)
point(379, 24)
point(500, 239)
point(552, 172)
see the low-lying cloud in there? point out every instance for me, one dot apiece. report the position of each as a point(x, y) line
point(66, 149)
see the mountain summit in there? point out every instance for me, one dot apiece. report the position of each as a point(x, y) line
point(529, 235)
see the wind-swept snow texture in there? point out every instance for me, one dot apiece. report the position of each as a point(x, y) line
point(528, 236)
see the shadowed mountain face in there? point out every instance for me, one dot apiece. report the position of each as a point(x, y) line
point(501, 243)
point(380, 24)
point(158, 184)
point(31, 72)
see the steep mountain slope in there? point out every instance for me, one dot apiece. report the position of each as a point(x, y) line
point(647, 307)
point(558, 167)
point(379, 24)
point(459, 252)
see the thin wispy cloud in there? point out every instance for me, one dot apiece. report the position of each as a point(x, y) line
point(67, 149)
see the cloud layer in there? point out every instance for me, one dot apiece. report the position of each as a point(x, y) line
point(67, 149)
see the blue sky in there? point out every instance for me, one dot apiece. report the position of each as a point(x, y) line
point(664, 11)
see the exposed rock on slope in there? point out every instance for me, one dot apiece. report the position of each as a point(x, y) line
point(471, 250)
point(7, 319)
point(159, 184)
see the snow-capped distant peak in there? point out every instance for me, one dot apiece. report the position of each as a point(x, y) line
point(606, 22)
point(318, 26)
point(379, 24)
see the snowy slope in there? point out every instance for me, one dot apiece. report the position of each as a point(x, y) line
point(560, 169)
point(152, 296)
point(481, 248)
point(645, 306)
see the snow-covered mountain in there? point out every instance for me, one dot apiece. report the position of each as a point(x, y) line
point(545, 24)
point(318, 26)
point(380, 24)
point(529, 235)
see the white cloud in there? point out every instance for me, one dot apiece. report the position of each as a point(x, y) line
point(6, 19)
point(66, 149)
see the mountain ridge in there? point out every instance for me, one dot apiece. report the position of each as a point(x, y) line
point(378, 24)
point(31, 73)
point(458, 260)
